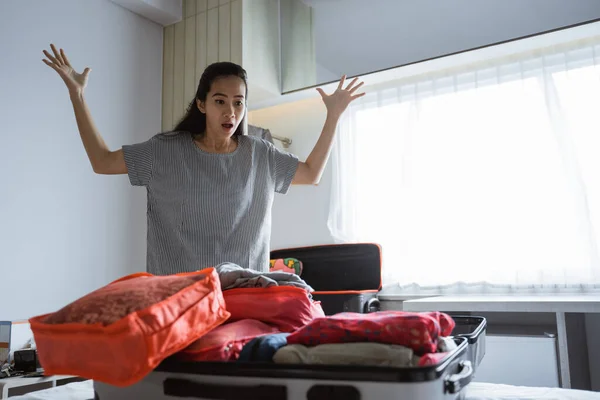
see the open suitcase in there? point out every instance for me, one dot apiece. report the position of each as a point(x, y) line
point(231, 381)
point(346, 277)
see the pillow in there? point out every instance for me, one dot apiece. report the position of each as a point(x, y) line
point(122, 331)
point(291, 265)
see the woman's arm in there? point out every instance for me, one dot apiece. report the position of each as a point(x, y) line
point(310, 171)
point(102, 159)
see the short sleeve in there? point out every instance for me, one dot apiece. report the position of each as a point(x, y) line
point(284, 166)
point(139, 159)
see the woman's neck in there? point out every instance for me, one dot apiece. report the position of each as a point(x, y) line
point(216, 145)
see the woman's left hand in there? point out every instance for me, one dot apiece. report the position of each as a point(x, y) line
point(338, 101)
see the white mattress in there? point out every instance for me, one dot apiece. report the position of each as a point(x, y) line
point(475, 391)
point(72, 391)
point(492, 391)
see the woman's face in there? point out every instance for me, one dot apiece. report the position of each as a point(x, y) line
point(225, 106)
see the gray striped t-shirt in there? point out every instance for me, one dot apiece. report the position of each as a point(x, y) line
point(204, 208)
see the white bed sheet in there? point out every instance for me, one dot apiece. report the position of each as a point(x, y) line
point(72, 391)
point(493, 391)
point(475, 391)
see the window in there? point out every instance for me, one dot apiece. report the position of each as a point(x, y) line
point(482, 179)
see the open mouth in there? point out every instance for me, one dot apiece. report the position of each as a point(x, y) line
point(227, 126)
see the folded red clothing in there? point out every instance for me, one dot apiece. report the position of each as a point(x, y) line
point(225, 342)
point(418, 331)
point(432, 359)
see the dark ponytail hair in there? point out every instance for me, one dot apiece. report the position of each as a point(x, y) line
point(194, 121)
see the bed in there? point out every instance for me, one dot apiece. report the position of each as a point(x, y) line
point(476, 391)
point(492, 391)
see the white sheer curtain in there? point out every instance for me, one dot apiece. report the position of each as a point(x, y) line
point(482, 179)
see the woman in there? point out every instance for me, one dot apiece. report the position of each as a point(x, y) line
point(210, 187)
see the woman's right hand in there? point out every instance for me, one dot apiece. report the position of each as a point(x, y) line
point(59, 62)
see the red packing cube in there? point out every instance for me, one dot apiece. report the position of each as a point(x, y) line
point(285, 307)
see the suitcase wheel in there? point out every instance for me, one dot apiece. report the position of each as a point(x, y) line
point(373, 305)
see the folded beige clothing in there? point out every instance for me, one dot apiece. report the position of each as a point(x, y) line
point(446, 344)
point(371, 354)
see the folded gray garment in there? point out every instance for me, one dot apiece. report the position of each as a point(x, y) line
point(233, 276)
point(362, 353)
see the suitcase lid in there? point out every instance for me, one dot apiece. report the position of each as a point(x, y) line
point(341, 268)
point(470, 327)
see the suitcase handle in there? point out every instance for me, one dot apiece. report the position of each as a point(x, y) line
point(455, 383)
point(186, 388)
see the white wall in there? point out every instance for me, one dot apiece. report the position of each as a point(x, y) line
point(300, 216)
point(325, 75)
point(65, 231)
point(358, 36)
point(163, 12)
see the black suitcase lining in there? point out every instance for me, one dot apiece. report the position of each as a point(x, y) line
point(344, 267)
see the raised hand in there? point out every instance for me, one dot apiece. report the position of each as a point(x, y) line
point(338, 101)
point(59, 62)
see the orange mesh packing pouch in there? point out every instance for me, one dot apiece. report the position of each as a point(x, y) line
point(122, 331)
point(285, 307)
